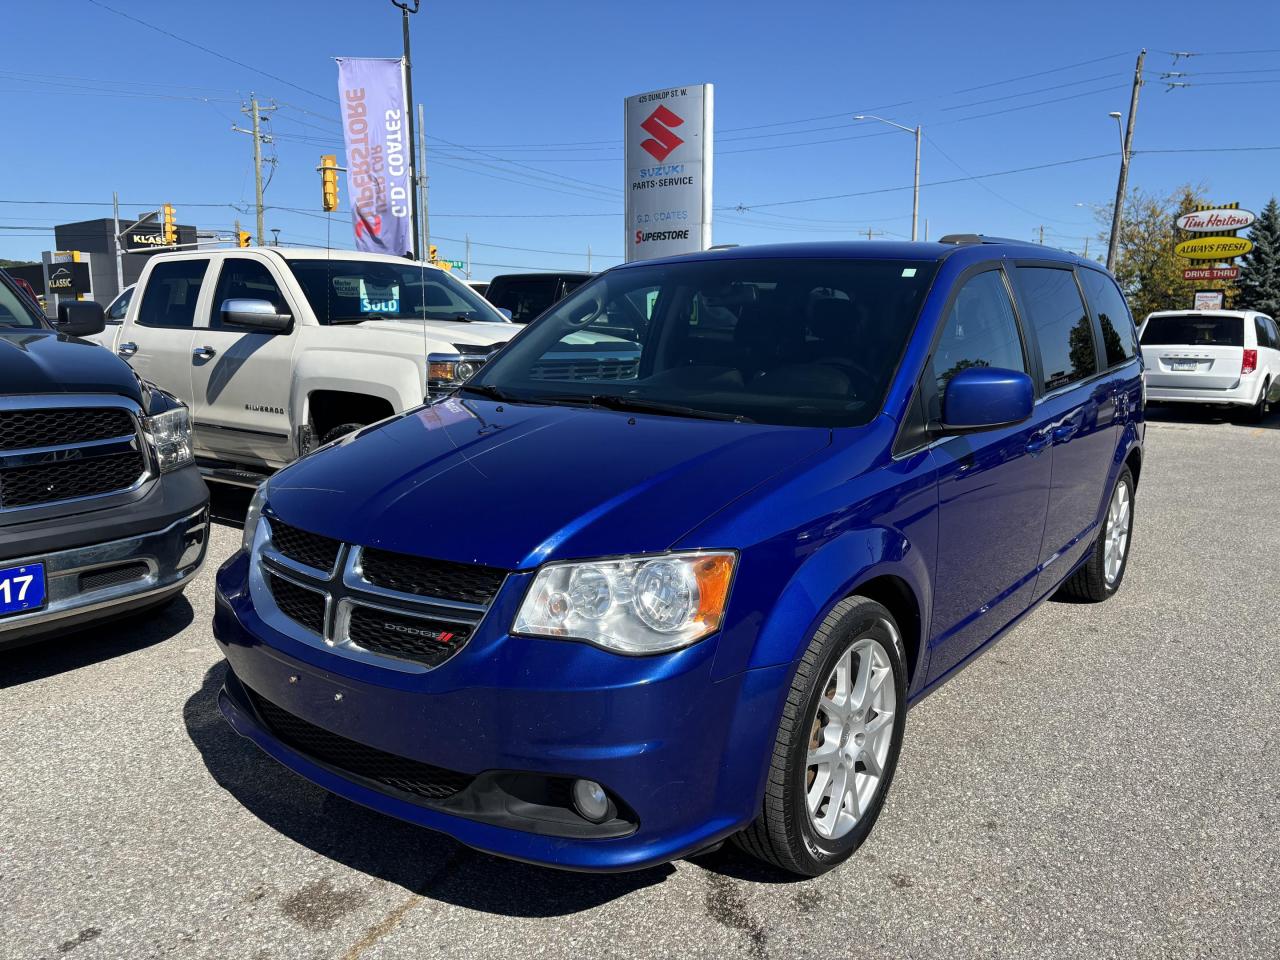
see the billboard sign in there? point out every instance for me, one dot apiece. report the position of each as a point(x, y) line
point(1209, 300)
point(375, 114)
point(1222, 220)
point(669, 137)
point(1213, 248)
point(67, 279)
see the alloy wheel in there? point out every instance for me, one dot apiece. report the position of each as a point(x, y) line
point(850, 739)
point(1116, 534)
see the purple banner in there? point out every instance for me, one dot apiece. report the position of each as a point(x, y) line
point(375, 130)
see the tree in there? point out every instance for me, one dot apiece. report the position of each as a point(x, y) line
point(1148, 271)
point(1260, 268)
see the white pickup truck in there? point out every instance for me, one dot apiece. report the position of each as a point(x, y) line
point(276, 350)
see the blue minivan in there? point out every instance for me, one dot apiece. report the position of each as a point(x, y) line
point(672, 566)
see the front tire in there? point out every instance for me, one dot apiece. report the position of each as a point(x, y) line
point(1101, 576)
point(837, 745)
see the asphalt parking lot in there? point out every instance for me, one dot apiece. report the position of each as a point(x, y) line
point(1104, 782)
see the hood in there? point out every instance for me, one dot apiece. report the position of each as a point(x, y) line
point(42, 361)
point(448, 332)
point(460, 481)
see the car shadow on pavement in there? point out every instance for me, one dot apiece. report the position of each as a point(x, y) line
point(1191, 413)
point(419, 860)
point(50, 656)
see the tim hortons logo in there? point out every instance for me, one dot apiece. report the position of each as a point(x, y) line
point(658, 125)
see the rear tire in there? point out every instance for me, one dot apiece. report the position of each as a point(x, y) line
point(1258, 412)
point(1102, 575)
point(837, 730)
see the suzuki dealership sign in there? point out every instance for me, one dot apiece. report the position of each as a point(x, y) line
point(371, 96)
point(669, 138)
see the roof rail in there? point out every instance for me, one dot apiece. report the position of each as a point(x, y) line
point(983, 238)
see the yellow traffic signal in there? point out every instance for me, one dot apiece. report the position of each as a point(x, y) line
point(170, 225)
point(242, 238)
point(329, 180)
point(433, 253)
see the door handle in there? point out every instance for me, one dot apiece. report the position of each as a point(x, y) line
point(1037, 443)
point(126, 349)
point(203, 353)
point(1064, 433)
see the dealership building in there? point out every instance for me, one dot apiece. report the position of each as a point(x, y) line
point(83, 263)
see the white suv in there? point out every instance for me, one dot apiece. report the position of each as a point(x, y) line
point(1226, 357)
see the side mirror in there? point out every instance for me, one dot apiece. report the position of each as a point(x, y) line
point(983, 398)
point(80, 318)
point(257, 315)
point(505, 312)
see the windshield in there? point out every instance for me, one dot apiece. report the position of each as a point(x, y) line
point(1192, 329)
point(790, 341)
point(351, 291)
point(14, 310)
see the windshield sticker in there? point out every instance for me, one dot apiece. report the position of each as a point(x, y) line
point(908, 271)
point(346, 287)
point(376, 299)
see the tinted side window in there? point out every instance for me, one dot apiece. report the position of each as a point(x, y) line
point(1062, 326)
point(1271, 330)
point(169, 299)
point(525, 299)
point(1119, 339)
point(980, 330)
point(120, 307)
point(242, 278)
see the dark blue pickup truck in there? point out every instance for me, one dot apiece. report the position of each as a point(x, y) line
point(102, 511)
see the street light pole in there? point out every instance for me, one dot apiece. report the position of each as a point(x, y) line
point(915, 189)
point(1126, 151)
point(407, 7)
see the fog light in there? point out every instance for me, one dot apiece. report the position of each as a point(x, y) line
point(590, 800)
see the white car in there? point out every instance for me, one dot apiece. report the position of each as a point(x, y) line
point(114, 317)
point(1224, 357)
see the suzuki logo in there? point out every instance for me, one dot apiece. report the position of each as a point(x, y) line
point(658, 125)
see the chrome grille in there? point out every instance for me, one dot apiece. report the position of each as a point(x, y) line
point(59, 449)
point(399, 610)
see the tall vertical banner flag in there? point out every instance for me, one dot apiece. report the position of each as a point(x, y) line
point(669, 139)
point(371, 96)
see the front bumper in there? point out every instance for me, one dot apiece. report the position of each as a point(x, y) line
point(103, 580)
point(684, 755)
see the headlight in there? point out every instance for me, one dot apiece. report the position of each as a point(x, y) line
point(170, 436)
point(636, 605)
point(253, 516)
point(447, 371)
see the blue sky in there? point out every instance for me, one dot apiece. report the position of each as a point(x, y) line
point(111, 104)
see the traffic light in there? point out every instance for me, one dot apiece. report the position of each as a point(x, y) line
point(242, 238)
point(170, 225)
point(329, 180)
point(433, 253)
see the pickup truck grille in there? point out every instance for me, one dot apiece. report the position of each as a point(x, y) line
point(54, 454)
point(372, 603)
point(421, 780)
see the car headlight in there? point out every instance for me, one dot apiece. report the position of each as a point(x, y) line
point(253, 516)
point(170, 437)
point(447, 371)
point(636, 605)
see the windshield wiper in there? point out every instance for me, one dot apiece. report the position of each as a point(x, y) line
point(639, 405)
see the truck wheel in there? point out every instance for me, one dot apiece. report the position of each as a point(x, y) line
point(837, 745)
point(341, 431)
point(1100, 577)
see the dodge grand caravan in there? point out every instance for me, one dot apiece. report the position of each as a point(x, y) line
point(710, 526)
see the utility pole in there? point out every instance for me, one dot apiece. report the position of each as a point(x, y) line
point(1042, 234)
point(115, 213)
point(407, 7)
point(422, 180)
point(467, 238)
point(255, 111)
point(1086, 248)
point(1126, 151)
point(915, 190)
point(588, 258)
